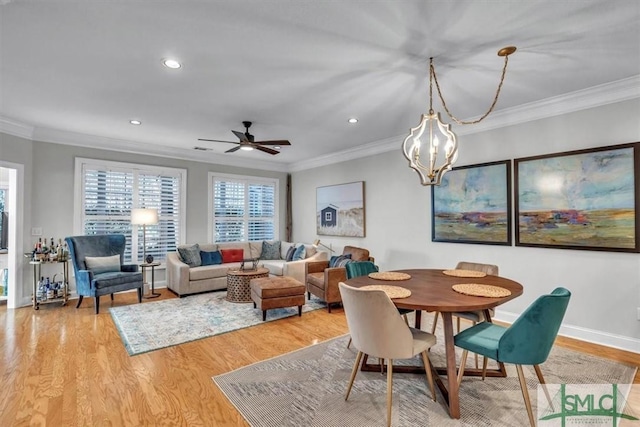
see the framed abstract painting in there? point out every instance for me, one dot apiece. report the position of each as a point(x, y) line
point(473, 205)
point(340, 210)
point(585, 199)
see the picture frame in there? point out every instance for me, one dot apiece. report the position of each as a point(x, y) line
point(473, 205)
point(584, 199)
point(340, 210)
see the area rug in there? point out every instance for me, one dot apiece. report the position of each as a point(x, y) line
point(159, 324)
point(307, 387)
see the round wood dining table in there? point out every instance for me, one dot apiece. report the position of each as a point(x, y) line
point(432, 290)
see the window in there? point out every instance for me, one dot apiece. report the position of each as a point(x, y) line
point(243, 208)
point(109, 190)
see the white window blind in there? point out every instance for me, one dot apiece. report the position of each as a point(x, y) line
point(110, 190)
point(244, 209)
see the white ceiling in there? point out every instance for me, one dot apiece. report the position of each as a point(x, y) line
point(78, 71)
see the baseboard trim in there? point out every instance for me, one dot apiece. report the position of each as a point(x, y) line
point(584, 334)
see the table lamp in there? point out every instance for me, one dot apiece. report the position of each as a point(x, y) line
point(144, 217)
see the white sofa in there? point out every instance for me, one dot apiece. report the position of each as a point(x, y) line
point(185, 280)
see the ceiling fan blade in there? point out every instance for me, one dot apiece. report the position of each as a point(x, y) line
point(266, 150)
point(231, 150)
point(241, 136)
point(218, 140)
point(276, 142)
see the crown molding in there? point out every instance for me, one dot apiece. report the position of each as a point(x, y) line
point(15, 128)
point(113, 144)
point(608, 93)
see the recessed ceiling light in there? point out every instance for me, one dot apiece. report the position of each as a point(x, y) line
point(171, 63)
point(135, 122)
point(277, 147)
point(353, 120)
point(246, 147)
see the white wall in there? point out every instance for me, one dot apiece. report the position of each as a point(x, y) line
point(605, 285)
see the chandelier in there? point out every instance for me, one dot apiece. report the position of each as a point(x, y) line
point(442, 142)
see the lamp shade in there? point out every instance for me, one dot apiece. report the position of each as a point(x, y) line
point(144, 216)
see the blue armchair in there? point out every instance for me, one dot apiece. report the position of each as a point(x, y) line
point(99, 269)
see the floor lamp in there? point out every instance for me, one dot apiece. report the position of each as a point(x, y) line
point(317, 243)
point(144, 217)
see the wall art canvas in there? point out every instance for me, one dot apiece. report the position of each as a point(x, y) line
point(473, 205)
point(585, 199)
point(340, 210)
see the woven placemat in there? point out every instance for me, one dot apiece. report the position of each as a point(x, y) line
point(478, 290)
point(391, 291)
point(389, 275)
point(464, 273)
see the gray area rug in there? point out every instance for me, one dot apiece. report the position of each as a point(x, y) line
point(307, 387)
point(159, 324)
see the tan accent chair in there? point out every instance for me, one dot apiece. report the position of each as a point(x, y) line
point(377, 329)
point(322, 281)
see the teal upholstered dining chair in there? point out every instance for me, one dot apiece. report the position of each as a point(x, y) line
point(379, 331)
point(527, 341)
point(99, 269)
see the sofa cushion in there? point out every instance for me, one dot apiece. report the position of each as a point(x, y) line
point(275, 266)
point(316, 279)
point(339, 260)
point(299, 253)
point(103, 264)
point(211, 258)
point(232, 255)
point(208, 272)
point(190, 255)
point(270, 250)
point(309, 250)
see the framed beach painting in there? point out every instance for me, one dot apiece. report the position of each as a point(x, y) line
point(340, 210)
point(586, 199)
point(473, 205)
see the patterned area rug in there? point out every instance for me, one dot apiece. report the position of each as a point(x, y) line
point(154, 325)
point(307, 387)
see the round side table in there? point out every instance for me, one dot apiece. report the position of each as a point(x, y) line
point(238, 282)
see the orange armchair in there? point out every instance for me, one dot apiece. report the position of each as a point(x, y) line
point(322, 280)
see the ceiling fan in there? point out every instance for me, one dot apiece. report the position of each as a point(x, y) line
point(248, 142)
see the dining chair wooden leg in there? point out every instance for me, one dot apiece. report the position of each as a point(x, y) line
point(485, 360)
point(458, 324)
point(525, 394)
point(463, 362)
point(435, 322)
point(354, 371)
point(427, 368)
point(544, 385)
point(389, 390)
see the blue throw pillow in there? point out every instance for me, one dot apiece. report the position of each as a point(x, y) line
point(270, 250)
point(299, 254)
point(210, 258)
point(339, 260)
point(290, 253)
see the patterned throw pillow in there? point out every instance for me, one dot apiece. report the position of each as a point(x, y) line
point(270, 250)
point(299, 253)
point(190, 255)
point(232, 255)
point(290, 253)
point(211, 258)
point(339, 260)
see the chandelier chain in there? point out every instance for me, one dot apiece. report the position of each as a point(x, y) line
point(432, 76)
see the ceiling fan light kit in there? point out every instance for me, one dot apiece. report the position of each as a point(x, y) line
point(439, 140)
point(248, 142)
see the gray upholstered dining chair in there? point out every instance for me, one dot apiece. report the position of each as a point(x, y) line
point(99, 269)
point(377, 329)
point(473, 316)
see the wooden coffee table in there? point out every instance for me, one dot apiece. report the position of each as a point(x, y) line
point(238, 282)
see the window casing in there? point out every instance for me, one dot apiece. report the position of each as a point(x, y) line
point(107, 191)
point(242, 208)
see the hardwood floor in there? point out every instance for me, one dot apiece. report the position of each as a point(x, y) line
point(66, 367)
